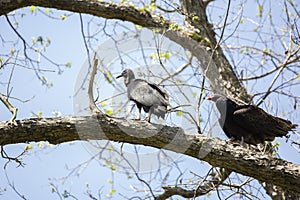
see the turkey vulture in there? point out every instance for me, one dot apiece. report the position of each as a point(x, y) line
point(148, 96)
point(249, 123)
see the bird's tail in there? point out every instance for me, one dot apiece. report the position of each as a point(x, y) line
point(159, 110)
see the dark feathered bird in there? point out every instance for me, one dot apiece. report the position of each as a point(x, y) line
point(149, 96)
point(249, 123)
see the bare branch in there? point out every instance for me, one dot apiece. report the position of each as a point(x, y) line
point(92, 104)
point(219, 176)
point(11, 108)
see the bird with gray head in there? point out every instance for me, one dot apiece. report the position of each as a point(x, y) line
point(149, 96)
point(249, 123)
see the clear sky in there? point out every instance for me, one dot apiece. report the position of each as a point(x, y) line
point(46, 165)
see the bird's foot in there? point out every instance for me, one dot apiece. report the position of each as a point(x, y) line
point(234, 141)
point(147, 119)
point(138, 117)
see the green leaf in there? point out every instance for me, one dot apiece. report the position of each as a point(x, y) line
point(195, 18)
point(41, 144)
point(12, 51)
point(112, 191)
point(173, 27)
point(179, 113)
point(32, 8)
point(152, 56)
point(242, 20)
point(39, 114)
point(152, 6)
point(109, 111)
point(108, 77)
point(63, 16)
point(138, 26)
point(112, 167)
point(28, 147)
point(50, 84)
point(103, 103)
point(260, 10)
point(33, 40)
point(110, 148)
point(109, 181)
point(48, 42)
point(68, 64)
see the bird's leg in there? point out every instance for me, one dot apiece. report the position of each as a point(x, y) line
point(232, 139)
point(148, 116)
point(242, 141)
point(139, 113)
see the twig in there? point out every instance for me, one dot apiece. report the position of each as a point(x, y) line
point(273, 81)
point(179, 70)
point(92, 104)
point(12, 109)
point(217, 179)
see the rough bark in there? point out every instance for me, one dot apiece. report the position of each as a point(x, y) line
point(277, 193)
point(198, 39)
point(212, 150)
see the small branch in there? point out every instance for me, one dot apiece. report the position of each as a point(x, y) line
point(219, 176)
point(16, 159)
point(283, 66)
point(19, 35)
point(12, 109)
point(93, 107)
point(178, 71)
point(11, 184)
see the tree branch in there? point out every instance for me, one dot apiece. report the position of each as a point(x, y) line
point(212, 150)
point(216, 180)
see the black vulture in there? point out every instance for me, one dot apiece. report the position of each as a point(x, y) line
point(249, 123)
point(149, 96)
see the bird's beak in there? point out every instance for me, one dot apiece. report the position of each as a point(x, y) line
point(208, 98)
point(119, 76)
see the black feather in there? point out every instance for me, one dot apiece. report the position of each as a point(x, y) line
point(249, 123)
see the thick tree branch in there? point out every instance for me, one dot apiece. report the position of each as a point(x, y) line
point(199, 40)
point(212, 150)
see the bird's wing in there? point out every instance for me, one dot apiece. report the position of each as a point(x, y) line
point(162, 93)
point(257, 121)
point(142, 92)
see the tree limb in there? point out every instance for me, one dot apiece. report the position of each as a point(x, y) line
point(212, 150)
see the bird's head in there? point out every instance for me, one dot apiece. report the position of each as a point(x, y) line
point(128, 75)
